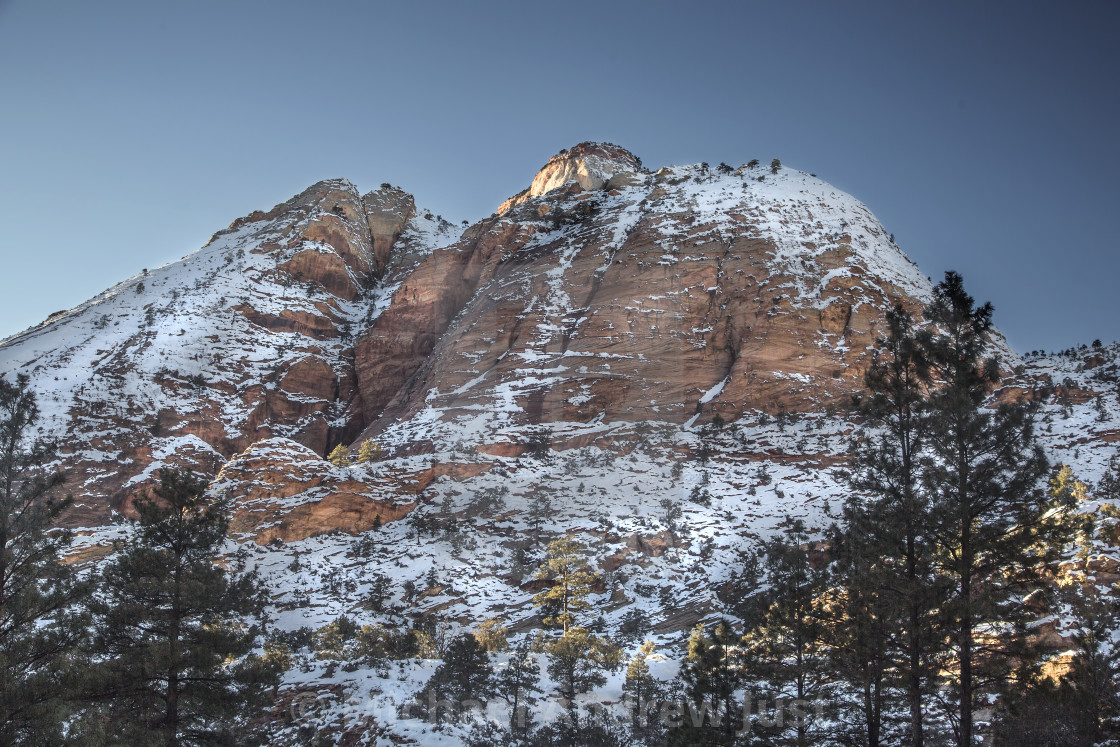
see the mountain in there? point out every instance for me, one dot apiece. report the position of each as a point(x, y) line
point(603, 294)
point(658, 362)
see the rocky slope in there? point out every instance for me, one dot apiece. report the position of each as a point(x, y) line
point(249, 338)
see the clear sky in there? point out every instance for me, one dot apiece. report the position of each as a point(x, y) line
point(982, 134)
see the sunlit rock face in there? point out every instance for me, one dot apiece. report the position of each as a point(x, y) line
point(628, 296)
point(591, 165)
point(587, 166)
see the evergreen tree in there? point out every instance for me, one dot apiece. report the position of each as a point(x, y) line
point(1095, 674)
point(576, 662)
point(1083, 705)
point(640, 686)
point(711, 675)
point(518, 684)
point(789, 640)
point(577, 658)
point(339, 456)
point(369, 452)
point(176, 630)
point(492, 635)
point(566, 567)
point(39, 624)
point(995, 528)
point(380, 589)
point(461, 680)
point(887, 552)
point(862, 620)
point(540, 512)
point(643, 693)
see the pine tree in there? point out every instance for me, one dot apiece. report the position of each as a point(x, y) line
point(492, 635)
point(1083, 707)
point(339, 456)
point(540, 512)
point(566, 567)
point(463, 678)
point(863, 621)
point(1095, 674)
point(643, 692)
point(993, 524)
point(887, 551)
point(711, 675)
point(369, 452)
point(518, 684)
point(789, 640)
point(640, 686)
point(576, 663)
point(175, 629)
point(39, 624)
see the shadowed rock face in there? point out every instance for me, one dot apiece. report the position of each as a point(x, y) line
point(602, 292)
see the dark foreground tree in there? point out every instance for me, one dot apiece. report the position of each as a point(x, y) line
point(39, 628)
point(464, 680)
point(1083, 706)
point(710, 677)
point(518, 685)
point(789, 640)
point(885, 550)
point(996, 528)
point(175, 629)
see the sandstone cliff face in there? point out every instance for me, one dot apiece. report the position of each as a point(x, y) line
point(675, 297)
point(282, 490)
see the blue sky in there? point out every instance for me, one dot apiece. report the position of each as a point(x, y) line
point(983, 135)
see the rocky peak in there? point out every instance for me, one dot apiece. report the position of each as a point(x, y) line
point(590, 165)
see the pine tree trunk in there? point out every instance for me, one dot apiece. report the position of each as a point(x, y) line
point(964, 638)
point(868, 715)
point(914, 641)
point(801, 735)
point(914, 644)
point(964, 642)
point(171, 719)
point(914, 680)
point(876, 713)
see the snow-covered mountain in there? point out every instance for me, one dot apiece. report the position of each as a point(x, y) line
point(603, 294)
point(656, 361)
